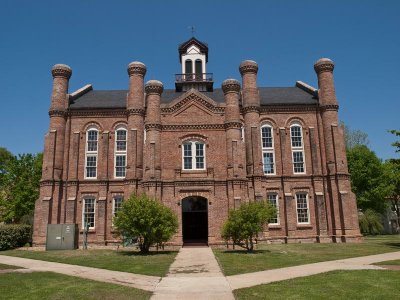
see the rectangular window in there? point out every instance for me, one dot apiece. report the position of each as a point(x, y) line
point(91, 166)
point(268, 163)
point(199, 156)
point(303, 214)
point(267, 143)
point(187, 156)
point(120, 165)
point(88, 216)
point(117, 204)
point(297, 140)
point(298, 162)
point(120, 153)
point(92, 141)
point(272, 198)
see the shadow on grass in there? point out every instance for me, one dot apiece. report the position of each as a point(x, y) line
point(243, 251)
point(151, 253)
point(393, 245)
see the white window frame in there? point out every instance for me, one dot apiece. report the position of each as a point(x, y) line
point(113, 204)
point(268, 150)
point(193, 144)
point(298, 209)
point(91, 153)
point(297, 149)
point(84, 212)
point(276, 206)
point(121, 153)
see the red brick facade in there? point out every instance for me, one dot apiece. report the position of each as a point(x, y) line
point(233, 164)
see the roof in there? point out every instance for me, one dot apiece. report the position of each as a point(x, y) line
point(193, 41)
point(97, 99)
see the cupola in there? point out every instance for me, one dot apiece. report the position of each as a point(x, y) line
point(193, 56)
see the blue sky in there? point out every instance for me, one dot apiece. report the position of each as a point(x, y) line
point(99, 38)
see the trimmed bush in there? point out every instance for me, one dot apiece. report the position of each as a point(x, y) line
point(14, 235)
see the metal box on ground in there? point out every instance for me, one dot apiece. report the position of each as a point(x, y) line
point(62, 236)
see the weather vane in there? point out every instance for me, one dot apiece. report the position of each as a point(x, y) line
point(192, 29)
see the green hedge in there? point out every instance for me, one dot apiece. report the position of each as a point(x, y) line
point(14, 235)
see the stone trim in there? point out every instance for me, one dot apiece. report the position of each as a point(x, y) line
point(193, 97)
point(229, 125)
point(135, 111)
point(57, 113)
point(102, 113)
point(249, 109)
point(332, 107)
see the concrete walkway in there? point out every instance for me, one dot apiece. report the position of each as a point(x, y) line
point(195, 274)
point(263, 277)
point(143, 282)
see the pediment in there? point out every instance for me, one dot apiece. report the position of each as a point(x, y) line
point(193, 103)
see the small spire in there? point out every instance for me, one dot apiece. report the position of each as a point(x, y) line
point(192, 29)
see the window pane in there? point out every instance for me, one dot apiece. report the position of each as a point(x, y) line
point(187, 163)
point(88, 212)
point(91, 166)
point(266, 133)
point(117, 204)
point(295, 132)
point(121, 140)
point(298, 162)
point(272, 198)
point(120, 165)
point(268, 162)
point(302, 208)
point(92, 140)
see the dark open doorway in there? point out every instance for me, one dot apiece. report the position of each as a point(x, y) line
point(195, 220)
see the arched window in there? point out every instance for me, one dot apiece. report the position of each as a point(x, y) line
point(198, 66)
point(193, 155)
point(268, 153)
point(303, 211)
point(296, 136)
point(120, 153)
point(188, 66)
point(92, 136)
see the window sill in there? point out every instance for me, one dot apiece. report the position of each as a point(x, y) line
point(194, 171)
point(274, 226)
point(90, 231)
point(304, 226)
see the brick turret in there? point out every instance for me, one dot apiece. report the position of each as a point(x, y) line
point(342, 201)
point(251, 109)
point(135, 108)
point(234, 145)
point(153, 90)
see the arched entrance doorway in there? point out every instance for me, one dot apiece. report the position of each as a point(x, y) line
point(195, 220)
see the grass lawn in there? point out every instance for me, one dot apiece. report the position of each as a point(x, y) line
point(48, 285)
point(284, 255)
point(360, 284)
point(389, 262)
point(8, 267)
point(155, 263)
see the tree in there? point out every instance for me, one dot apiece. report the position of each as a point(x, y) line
point(244, 224)
point(20, 186)
point(397, 143)
point(354, 137)
point(368, 179)
point(370, 222)
point(5, 157)
point(146, 220)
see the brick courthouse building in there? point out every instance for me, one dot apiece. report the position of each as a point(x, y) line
point(199, 150)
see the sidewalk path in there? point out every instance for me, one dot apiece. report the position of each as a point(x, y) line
point(263, 277)
point(195, 274)
point(143, 282)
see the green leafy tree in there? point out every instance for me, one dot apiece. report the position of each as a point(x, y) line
point(397, 143)
point(20, 187)
point(245, 223)
point(146, 220)
point(5, 157)
point(368, 180)
point(392, 175)
point(370, 222)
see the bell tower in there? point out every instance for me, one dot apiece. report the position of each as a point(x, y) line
point(193, 56)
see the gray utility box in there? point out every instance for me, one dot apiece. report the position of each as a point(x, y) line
point(62, 236)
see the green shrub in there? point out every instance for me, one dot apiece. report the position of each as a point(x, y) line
point(14, 235)
point(145, 220)
point(244, 224)
point(370, 222)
